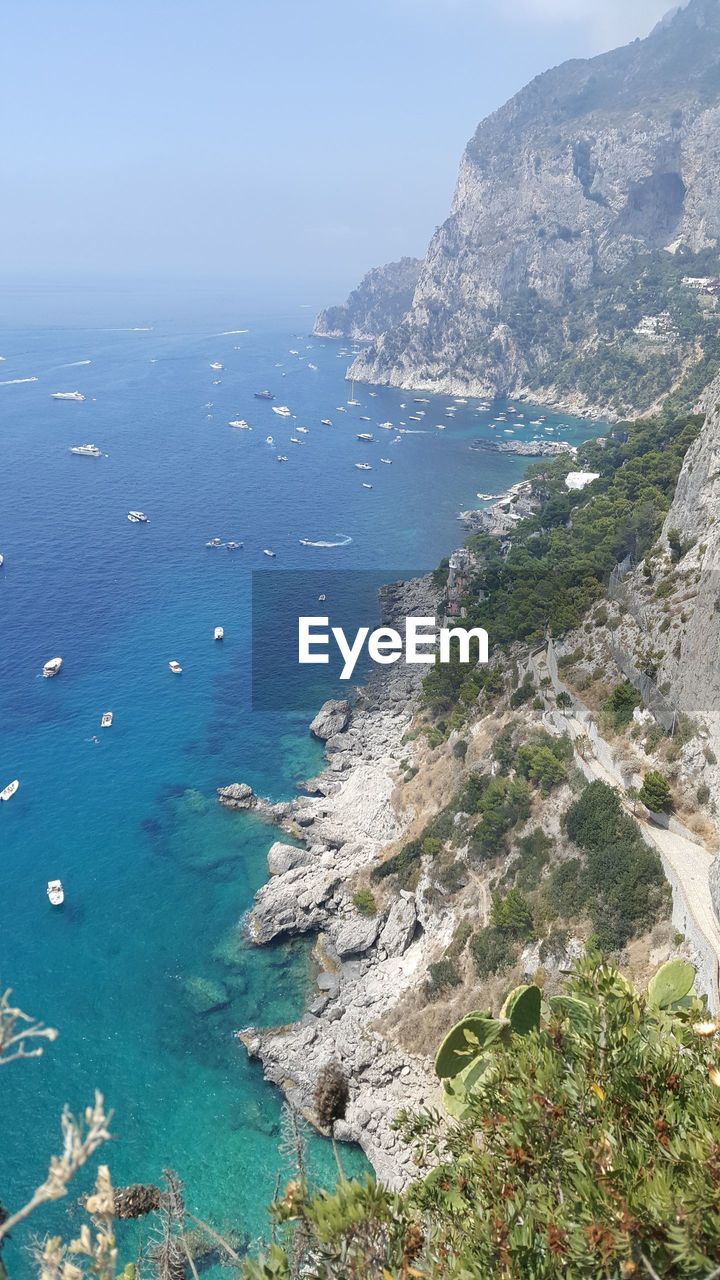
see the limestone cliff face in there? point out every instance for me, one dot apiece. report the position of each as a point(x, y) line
point(592, 164)
point(379, 302)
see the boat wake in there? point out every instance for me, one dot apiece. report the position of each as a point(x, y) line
point(344, 541)
point(13, 382)
point(228, 333)
point(73, 364)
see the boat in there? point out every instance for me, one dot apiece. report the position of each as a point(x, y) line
point(218, 633)
point(215, 364)
point(386, 426)
point(423, 400)
point(363, 466)
point(352, 399)
point(67, 395)
point(282, 457)
point(264, 395)
point(269, 440)
point(326, 422)
point(175, 668)
point(241, 424)
point(281, 410)
point(366, 485)
point(305, 431)
point(55, 893)
point(364, 435)
point(364, 418)
point(51, 668)
point(322, 597)
point(294, 353)
point(9, 790)
point(294, 440)
point(340, 408)
point(268, 552)
point(214, 542)
point(234, 546)
point(106, 720)
point(312, 366)
point(387, 461)
point(86, 450)
point(2, 561)
point(414, 417)
point(137, 517)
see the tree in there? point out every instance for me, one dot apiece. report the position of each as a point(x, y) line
point(655, 793)
point(564, 701)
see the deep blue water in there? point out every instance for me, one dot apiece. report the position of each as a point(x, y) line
point(156, 875)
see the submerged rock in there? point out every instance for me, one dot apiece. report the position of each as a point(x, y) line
point(333, 717)
point(204, 995)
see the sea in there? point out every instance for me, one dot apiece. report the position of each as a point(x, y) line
point(144, 970)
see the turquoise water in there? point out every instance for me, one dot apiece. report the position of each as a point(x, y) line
point(156, 875)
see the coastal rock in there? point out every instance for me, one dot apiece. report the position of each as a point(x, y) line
point(356, 935)
point(380, 300)
point(286, 857)
point(399, 927)
point(333, 717)
point(239, 795)
point(291, 903)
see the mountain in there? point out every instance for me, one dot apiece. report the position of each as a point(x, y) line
point(379, 302)
point(582, 208)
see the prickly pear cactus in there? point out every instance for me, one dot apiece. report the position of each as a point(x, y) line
point(465, 1042)
point(522, 1009)
point(671, 983)
point(578, 1012)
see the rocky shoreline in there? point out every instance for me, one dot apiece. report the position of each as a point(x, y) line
point(365, 962)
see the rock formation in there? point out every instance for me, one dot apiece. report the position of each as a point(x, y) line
point(379, 302)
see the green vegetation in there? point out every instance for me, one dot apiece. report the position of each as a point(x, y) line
point(620, 705)
point(584, 1142)
point(655, 793)
point(364, 901)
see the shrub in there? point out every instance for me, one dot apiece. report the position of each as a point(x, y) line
point(622, 702)
point(443, 974)
point(523, 693)
point(364, 901)
point(492, 950)
point(655, 792)
point(512, 914)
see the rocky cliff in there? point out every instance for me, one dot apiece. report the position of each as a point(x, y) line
point(379, 303)
point(582, 207)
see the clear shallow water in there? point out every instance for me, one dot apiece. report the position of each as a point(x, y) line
point(157, 876)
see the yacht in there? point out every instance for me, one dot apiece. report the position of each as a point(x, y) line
point(414, 417)
point(281, 410)
point(86, 450)
point(441, 426)
point(365, 435)
point(51, 668)
point(67, 395)
point(241, 424)
point(175, 668)
point(234, 546)
point(340, 408)
point(363, 466)
point(268, 552)
point(366, 485)
point(386, 426)
point(9, 790)
point(294, 440)
point(264, 395)
point(364, 418)
point(55, 893)
point(138, 517)
point(282, 457)
point(2, 560)
point(420, 400)
point(312, 366)
point(106, 721)
point(218, 633)
point(387, 461)
point(215, 364)
point(214, 542)
point(326, 422)
point(269, 440)
point(303, 431)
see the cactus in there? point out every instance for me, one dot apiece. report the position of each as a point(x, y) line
point(456, 1092)
point(578, 1012)
point(465, 1043)
point(522, 1009)
point(672, 982)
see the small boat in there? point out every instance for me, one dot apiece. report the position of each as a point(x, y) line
point(365, 435)
point(303, 431)
point(424, 400)
point(86, 450)
point(106, 720)
point(268, 552)
point(294, 353)
point(366, 485)
point(9, 790)
point(414, 417)
point(364, 417)
point(55, 893)
point(218, 633)
point(294, 440)
point(387, 461)
point(214, 542)
point(264, 395)
point(234, 546)
point(269, 440)
point(282, 457)
point(2, 561)
point(441, 426)
point(386, 426)
point(67, 395)
point(241, 424)
point(51, 668)
point(326, 422)
point(363, 466)
point(137, 517)
point(312, 366)
point(215, 364)
point(340, 408)
point(322, 597)
point(281, 410)
point(175, 668)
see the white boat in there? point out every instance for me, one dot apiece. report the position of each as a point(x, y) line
point(214, 542)
point(67, 395)
point(9, 790)
point(352, 399)
point(2, 561)
point(387, 461)
point(340, 408)
point(365, 435)
point(175, 668)
point(51, 668)
point(294, 440)
point(441, 426)
point(386, 426)
point(106, 720)
point(215, 364)
point(269, 440)
point(241, 424)
point(281, 410)
point(87, 450)
point(268, 552)
point(282, 457)
point(312, 366)
point(363, 466)
point(326, 422)
point(55, 893)
point(424, 400)
point(218, 633)
point(303, 431)
point(364, 417)
point(234, 546)
point(366, 485)
point(137, 517)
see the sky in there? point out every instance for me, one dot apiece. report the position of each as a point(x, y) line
point(286, 144)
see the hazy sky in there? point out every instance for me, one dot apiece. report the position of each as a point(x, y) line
point(292, 143)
